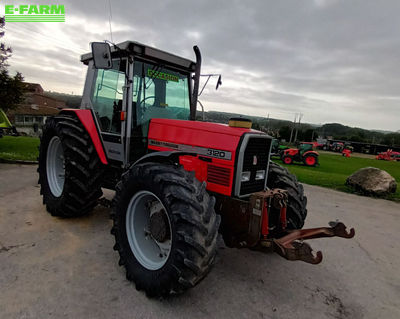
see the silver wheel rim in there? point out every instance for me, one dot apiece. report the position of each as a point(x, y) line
point(149, 252)
point(55, 166)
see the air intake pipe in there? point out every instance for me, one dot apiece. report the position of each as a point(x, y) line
point(196, 83)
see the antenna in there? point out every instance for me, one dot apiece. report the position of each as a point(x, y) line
point(109, 19)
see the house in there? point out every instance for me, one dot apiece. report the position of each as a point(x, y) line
point(30, 116)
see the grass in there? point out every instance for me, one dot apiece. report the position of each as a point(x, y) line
point(19, 148)
point(331, 173)
point(334, 170)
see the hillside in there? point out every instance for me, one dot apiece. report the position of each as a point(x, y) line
point(282, 128)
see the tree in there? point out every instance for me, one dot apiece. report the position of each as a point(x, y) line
point(284, 132)
point(308, 135)
point(11, 87)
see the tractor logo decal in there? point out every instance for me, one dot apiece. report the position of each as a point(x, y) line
point(195, 149)
point(34, 13)
point(162, 75)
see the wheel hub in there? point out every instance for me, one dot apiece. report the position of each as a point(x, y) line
point(159, 226)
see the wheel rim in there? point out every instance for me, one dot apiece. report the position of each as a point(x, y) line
point(310, 160)
point(147, 221)
point(55, 166)
point(287, 160)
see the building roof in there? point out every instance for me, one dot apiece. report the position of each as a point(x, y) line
point(32, 87)
point(39, 110)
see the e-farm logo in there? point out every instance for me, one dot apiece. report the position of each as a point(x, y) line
point(35, 13)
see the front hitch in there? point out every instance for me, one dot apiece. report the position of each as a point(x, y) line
point(261, 224)
point(292, 247)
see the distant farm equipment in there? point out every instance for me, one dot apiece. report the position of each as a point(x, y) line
point(277, 148)
point(347, 151)
point(304, 153)
point(389, 155)
point(5, 125)
point(336, 147)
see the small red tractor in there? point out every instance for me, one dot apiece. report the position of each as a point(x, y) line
point(178, 182)
point(304, 154)
point(347, 150)
point(389, 155)
point(336, 147)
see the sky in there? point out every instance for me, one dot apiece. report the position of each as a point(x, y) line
point(330, 60)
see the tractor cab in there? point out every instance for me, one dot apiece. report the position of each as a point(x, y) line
point(129, 84)
point(305, 147)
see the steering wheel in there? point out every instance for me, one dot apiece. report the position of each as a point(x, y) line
point(142, 101)
point(142, 105)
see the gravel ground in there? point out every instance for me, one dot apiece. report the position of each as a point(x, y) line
point(58, 268)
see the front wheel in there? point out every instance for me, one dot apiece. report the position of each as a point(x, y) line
point(287, 159)
point(280, 177)
point(165, 228)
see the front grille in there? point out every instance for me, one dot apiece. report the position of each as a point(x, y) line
point(256, 157)
point(218, 175)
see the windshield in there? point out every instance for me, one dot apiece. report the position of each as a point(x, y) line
point(159, 92)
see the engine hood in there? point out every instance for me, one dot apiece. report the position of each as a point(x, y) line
point(200, 137)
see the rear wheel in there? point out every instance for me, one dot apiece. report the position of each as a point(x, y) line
point(280, 177)
point(311, 160)
point(69, 168)
point(165, 228)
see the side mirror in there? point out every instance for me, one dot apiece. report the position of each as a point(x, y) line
point(101, 53)
point(219, 82)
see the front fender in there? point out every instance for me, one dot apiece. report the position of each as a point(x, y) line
point(162, 157)
point(311, 152)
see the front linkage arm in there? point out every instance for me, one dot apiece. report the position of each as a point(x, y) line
point(261, 224)
point(292, 247)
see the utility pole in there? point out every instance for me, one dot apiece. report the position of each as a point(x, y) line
point(298, 125)
point(267, 123)
point(291, 132)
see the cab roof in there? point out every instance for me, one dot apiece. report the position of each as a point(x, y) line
point(144, 51)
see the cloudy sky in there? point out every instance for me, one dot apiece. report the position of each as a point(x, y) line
point(331, 60)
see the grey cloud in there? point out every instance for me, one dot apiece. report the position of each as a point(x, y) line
point(331, 60)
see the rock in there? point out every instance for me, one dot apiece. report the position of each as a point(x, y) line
point(372, 181)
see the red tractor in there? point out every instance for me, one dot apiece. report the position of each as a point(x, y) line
point(178, 182)
point(389, 155)
point(304, 153)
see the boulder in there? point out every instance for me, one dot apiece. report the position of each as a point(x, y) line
point(372, 181)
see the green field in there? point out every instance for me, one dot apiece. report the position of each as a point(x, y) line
point(19, 148)
point(334, 170)
point(331, 173)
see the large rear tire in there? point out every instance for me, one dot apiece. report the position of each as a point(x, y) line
point(69, 168)
point(280, 177)
point(310, 160)
point(164, 206)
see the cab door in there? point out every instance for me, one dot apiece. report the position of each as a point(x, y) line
point(108, 99)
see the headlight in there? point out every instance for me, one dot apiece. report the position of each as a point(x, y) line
point(260, 175)
point(245, 177)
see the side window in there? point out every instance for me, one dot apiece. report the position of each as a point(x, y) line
point(107, 95)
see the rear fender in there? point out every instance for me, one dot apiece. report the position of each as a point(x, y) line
point(87, 120)
point(310, 152)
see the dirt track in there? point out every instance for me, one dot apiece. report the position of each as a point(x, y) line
point(55, 268)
